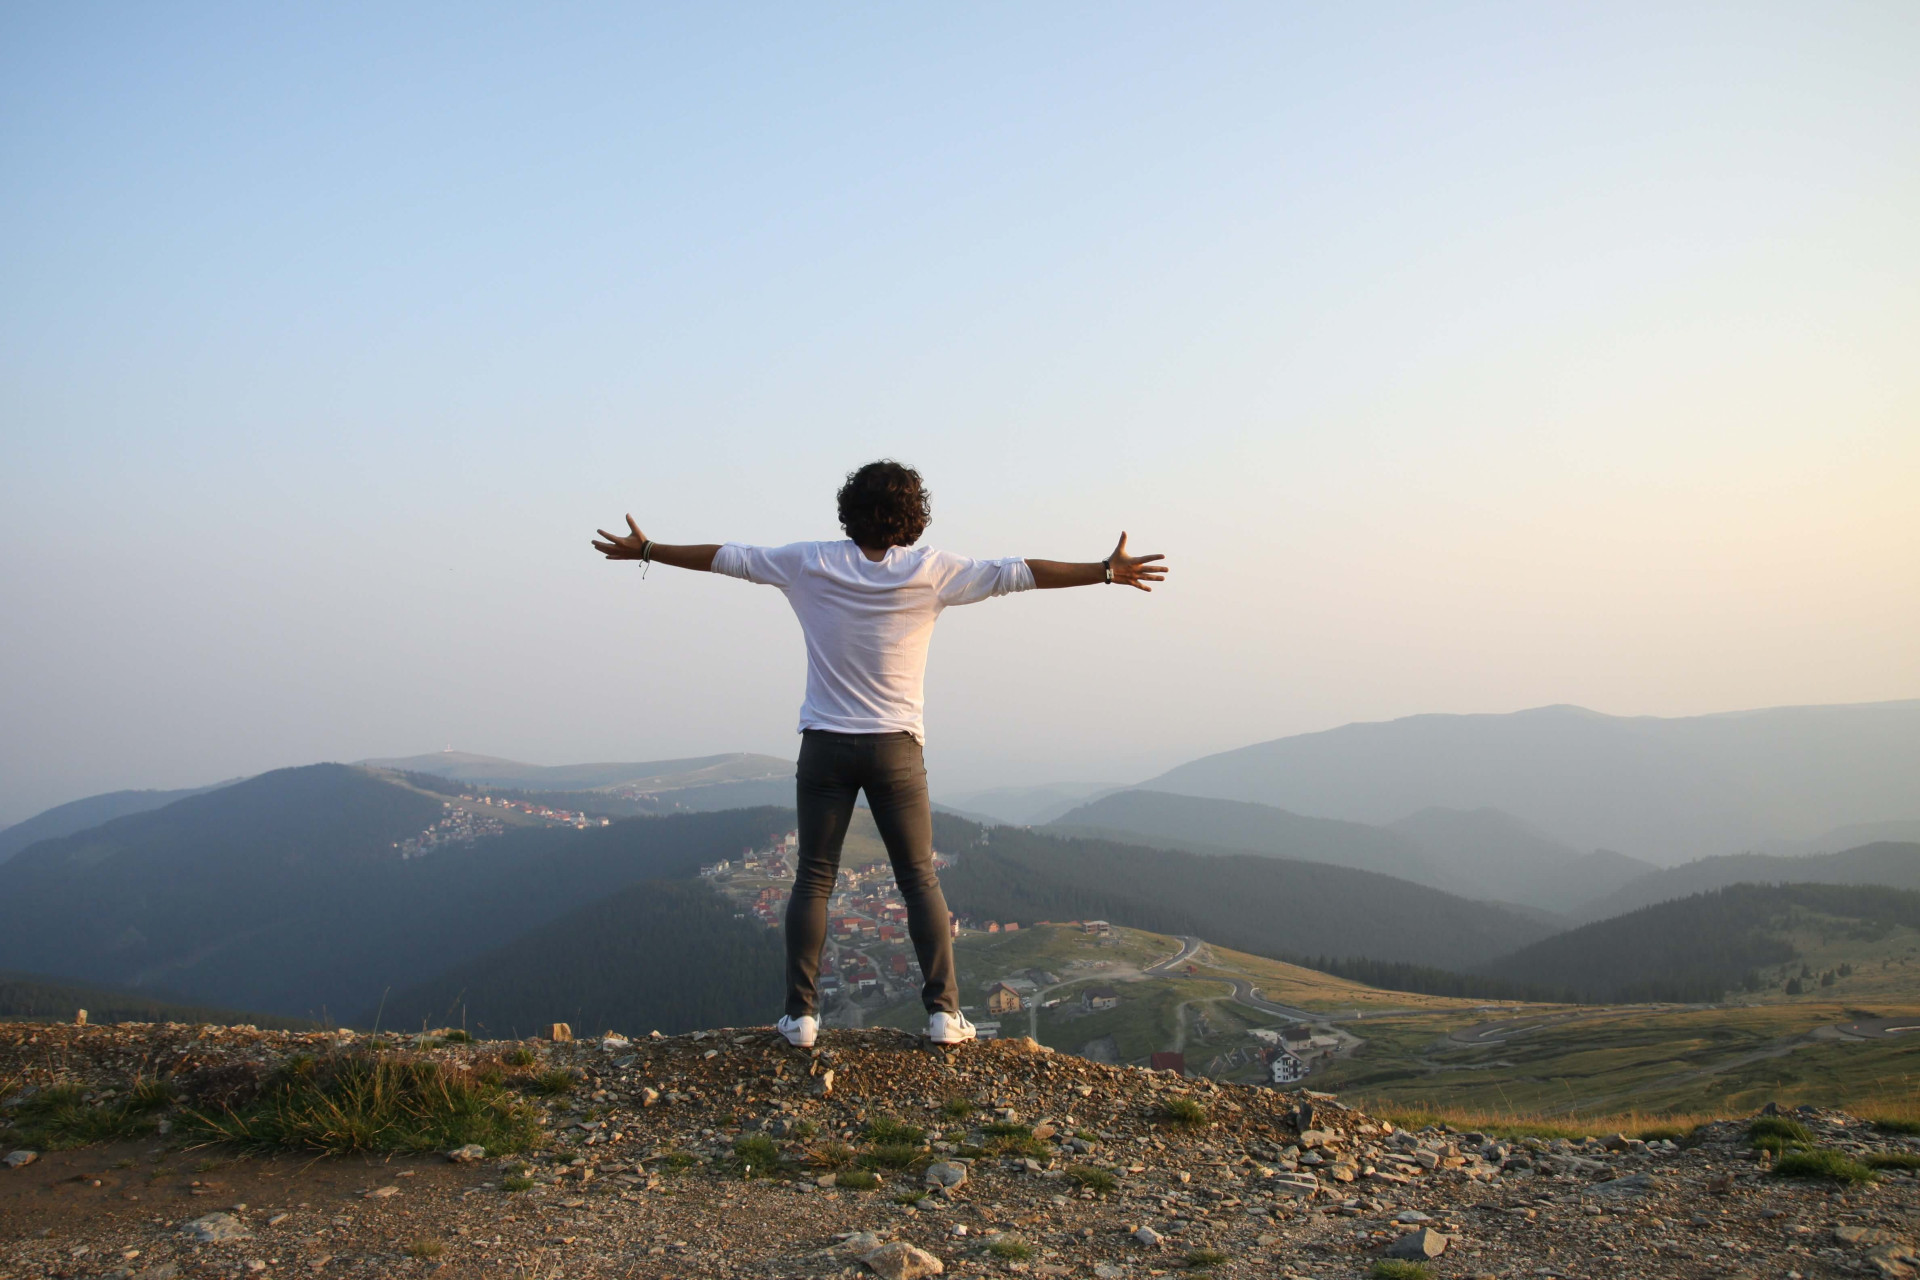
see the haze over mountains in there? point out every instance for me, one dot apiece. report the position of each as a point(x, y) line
point(1664, 790)
point(291, 893)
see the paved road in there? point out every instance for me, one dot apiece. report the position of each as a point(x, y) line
point(1187, 947)
point(1879, 1028)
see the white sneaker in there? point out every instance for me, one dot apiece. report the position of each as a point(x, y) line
point(799, 1031)
point(949, 1028)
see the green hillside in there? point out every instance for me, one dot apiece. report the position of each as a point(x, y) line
point(660, 956)
point(285, 894)
point(1267, 906)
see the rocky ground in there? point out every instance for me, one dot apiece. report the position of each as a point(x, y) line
point(1030, 1161)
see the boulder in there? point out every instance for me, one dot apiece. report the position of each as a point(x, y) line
point(215, 1228)
point(898, 1260)
point(1418, 1245)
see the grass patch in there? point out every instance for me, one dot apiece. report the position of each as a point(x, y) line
point(886, 1129)
point(1894, 1160)
point(1006, 1129)
point(891, 1155)
point(1183, 1113)
point(1896, 1124)
point(1022, 1145)
point(517, 1182)
point(677, 1161)
point(457, 1036)
point(553, 1083)
point(756, 1156)
point(833, 1155)
point(1663, 1133)
point(1094, 1179)
point(803, 1130)
point(59, 1117)
point(1201, 1259)
point(956, 1108)
point(1778, 1134)
point(1010, 1248)
point(426, 1247)
point(1831, 1166)
point(1399, 1269)
point(856, 1179)
point(361, 1103)
point(910, 1197)
point(520, 1056)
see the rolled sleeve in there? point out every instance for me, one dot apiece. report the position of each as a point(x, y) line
point(973, 580)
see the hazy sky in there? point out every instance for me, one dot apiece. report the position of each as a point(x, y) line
point(1461, 358)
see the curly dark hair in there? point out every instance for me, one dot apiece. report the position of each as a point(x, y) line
point(885, 504)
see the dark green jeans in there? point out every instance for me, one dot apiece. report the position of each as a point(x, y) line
point(834, 769)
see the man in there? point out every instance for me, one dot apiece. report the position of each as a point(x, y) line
point(867, 606)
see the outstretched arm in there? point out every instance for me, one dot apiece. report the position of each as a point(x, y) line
point(1132, 571)
point(635, 546)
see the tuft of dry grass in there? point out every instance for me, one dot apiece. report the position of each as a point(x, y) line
point(1546, 1125)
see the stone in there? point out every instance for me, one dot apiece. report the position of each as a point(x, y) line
point(1418, 1245)
point(159, 1271)
point(381, 1193)
point(858, 1243)
point(823, 1084)
point(898, 1260)
point(1411, 1216)
point(215, 1228)
point(613, 1043)
point(1148, 1238)
point(20, 1159)
point(946, 1176)
point(1107, 1271)
point(561, 1033)
point(649, 1096)
point(469, 1154)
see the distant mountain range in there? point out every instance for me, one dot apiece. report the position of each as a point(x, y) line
point(288, 893)
point(1892, 863)
point(1481, 854)
point(733, 774)
point(78, 815)
point(1663, 790)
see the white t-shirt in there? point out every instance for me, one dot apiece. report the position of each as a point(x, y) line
point(868, 622)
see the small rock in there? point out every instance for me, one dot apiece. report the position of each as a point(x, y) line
point(468, 1154)
point(20, 1159)
point(649, 1096)
point(158, 1271)
point(1107, 1271)
point(215, 1228)
point(1411, 1215)
point(1419, 1245)
point(1148, 1238)
point(859, 1244)
point(899, 1260)
point(823, 1085)
point(381, 1193)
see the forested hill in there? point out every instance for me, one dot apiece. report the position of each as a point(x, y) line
point(1264, 905)
point(285, 893)
point(666, 956)
point(34, 997)
point(1696, 948)
point(1892, 863)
